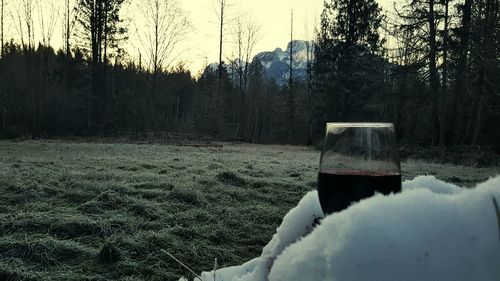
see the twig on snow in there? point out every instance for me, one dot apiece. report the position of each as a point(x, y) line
point(215, 269)
point(498, 215)
point(185, 266)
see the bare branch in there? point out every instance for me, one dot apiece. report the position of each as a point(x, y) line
point(164, 27)
point(246, 33)
point(497, 210)
point(48, 15)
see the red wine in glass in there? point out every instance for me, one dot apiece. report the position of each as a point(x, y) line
point(357, 161)
point(339, 189)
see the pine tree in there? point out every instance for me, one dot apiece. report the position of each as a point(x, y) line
point(101, 32)
point(355, 22)
point(346, 70)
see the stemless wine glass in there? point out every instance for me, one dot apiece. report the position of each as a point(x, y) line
point(357, 160)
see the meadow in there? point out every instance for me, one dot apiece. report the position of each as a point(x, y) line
point(102, 211)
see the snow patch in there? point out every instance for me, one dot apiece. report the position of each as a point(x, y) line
point(431, 231)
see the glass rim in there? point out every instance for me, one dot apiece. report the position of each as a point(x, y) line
point(359, 124)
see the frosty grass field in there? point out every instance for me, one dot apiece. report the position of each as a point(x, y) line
point(79, 211)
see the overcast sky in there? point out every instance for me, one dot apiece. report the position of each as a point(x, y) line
point(201, 46)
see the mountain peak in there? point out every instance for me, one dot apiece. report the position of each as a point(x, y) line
point(276, 63)
point(298, 45)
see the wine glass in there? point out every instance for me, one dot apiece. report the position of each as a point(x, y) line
point(357, 161)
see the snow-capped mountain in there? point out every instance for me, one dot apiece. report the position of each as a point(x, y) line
point(276, 63)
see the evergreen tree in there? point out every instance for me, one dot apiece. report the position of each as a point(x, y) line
point(346, 70)
point(101, 31)
point(355, 22)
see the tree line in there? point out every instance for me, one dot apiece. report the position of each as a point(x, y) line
point(429, 66)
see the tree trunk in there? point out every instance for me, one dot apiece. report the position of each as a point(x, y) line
point(4, 105)
point(177, 109)
point(4, 95)
point(461, 75)
point(68, 28)
point(290, 82)
point(309, 139)
point(478, 118)
point(67, 48)
point(89, 109)
point(442, 115)
point(219, 90)
point(291, 99)
point(222, 6)
point(433, 74)
point(94, 84)
point(474, 121)
point(4, 112)
point(351, 26)
point(2, 4)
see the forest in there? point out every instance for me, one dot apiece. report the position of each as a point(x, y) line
point(431, 67)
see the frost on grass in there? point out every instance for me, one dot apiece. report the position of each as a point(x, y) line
point(296, 224)
point(231, 179)
point(61, 203)
point(431, 231)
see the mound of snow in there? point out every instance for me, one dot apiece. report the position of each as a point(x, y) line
point(431, 231)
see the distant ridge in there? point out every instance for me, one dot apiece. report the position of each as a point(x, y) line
point(276, 63)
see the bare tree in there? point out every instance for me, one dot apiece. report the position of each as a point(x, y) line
point(47, 18)
point(2, 13)
point(162, 27)
point(290, 82)
point(69, 22)
point(246, 35)
point(24, 23)
point(291, 98)
point(27, 10)
point(222, 17)
point(4, 96)
point(311, 35)
point(221, 11)
point(165, 26)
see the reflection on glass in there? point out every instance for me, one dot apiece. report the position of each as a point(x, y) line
point(357, 160)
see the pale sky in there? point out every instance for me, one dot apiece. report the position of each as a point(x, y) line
point(201, 46)
point(273, 15)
